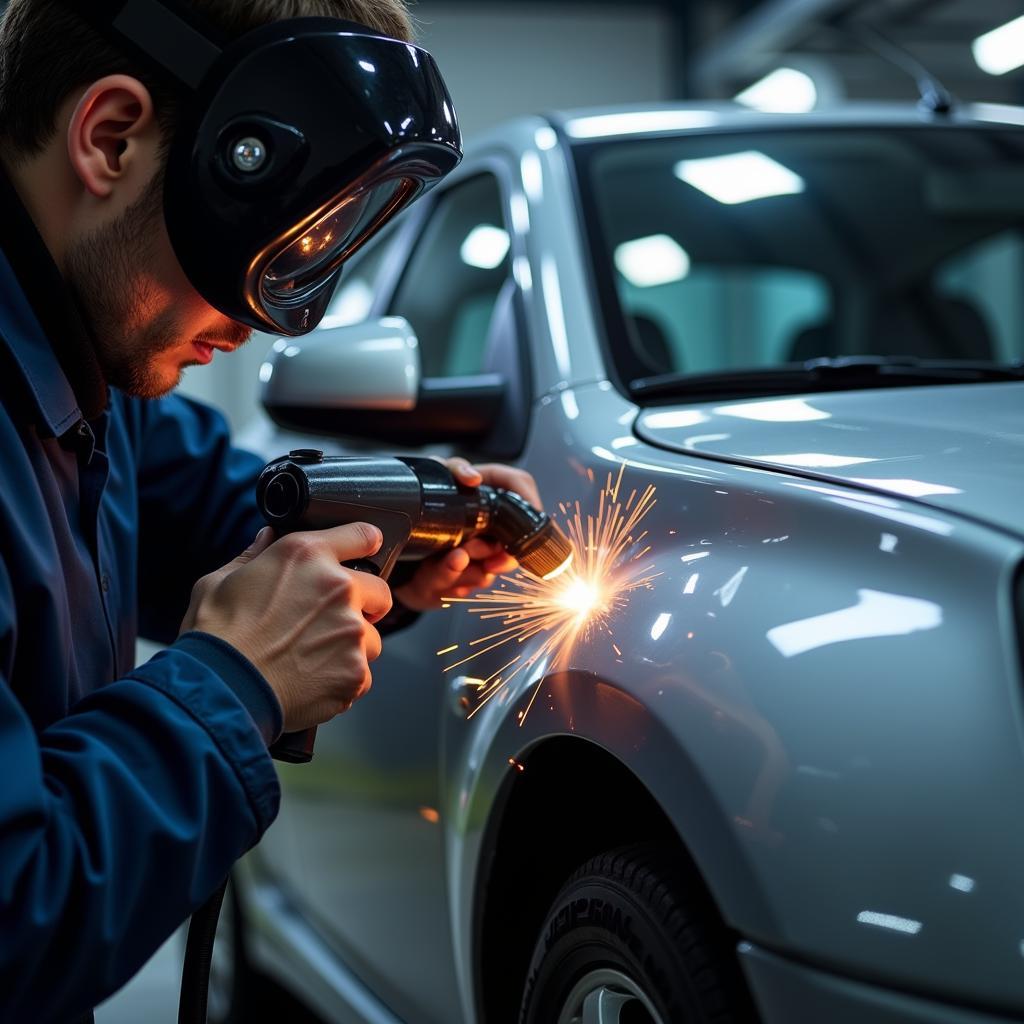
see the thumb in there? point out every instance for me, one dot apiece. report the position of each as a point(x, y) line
point(263, 541)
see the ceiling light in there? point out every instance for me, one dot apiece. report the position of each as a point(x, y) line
point(739, 177)
point(784, 91)
point(1002, 49)
point(639, 122)
point(653, 260)
point(485, 247)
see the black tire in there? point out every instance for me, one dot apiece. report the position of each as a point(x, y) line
point(629, 914)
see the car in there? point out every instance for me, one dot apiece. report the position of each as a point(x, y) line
point(780, 777)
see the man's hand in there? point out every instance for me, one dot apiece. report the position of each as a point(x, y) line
point(474, 566)
point(301, 618)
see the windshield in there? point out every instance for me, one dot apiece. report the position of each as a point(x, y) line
point(722, 252)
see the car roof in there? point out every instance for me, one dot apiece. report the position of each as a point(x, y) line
point(587, 125)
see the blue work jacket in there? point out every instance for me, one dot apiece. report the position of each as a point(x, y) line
point(128, 792)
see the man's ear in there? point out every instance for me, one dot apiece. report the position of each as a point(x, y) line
point(111, 132)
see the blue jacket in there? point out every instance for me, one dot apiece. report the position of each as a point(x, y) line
point(128, 792)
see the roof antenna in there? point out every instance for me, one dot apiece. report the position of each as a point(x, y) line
point(935, 98)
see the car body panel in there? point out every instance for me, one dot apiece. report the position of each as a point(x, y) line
point(959, 448)
point(830, 716)
point(829, 794)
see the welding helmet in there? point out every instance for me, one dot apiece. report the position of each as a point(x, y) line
point(295, 144)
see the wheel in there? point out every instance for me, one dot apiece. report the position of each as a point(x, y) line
point(625, 942)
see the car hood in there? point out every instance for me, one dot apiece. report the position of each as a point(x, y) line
point(959, 448)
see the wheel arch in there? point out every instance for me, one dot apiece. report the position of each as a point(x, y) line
point(550, 817)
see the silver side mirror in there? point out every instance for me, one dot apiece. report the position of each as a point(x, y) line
point(372, 365)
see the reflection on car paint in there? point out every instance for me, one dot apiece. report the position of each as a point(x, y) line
point(875, 614)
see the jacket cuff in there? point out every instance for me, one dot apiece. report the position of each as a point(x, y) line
point(242, 677)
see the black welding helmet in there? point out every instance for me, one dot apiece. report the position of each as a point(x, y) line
point(296, 143)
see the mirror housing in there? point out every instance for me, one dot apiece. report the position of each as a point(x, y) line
point(365, 381)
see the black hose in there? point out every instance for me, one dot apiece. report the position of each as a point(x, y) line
point(195, 975)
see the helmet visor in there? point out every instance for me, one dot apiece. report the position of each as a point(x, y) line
point(311, 259)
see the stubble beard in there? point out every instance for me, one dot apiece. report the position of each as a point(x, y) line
point(103, 272)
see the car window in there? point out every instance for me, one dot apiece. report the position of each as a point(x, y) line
point(988, 279)
point(749, 316)
point(457, 270)
point(360, 279)
point(757, 249)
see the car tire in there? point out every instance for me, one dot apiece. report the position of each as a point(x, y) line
point(627, 941)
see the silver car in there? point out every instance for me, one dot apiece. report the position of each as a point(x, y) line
point(778, 773)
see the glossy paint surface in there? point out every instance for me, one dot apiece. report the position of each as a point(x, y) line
point(959, 448)
point(822, 689)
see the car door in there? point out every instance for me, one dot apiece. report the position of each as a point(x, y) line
point(368, 812)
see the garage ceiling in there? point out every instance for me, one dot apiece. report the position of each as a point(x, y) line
point(828, 36)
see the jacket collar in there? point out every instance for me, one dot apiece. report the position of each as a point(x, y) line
point(41, 326)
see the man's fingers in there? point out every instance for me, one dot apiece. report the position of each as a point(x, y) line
point(478, 548)
point(500, 564)
point(374, 597)
point(351, 541)
point(464, 471)
point(511, 479)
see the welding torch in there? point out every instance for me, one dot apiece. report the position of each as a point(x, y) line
point(420, 509)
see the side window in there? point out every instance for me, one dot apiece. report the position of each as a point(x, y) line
point(451, 284)
point(360, 279)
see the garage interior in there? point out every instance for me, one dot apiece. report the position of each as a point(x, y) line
point(504, 58)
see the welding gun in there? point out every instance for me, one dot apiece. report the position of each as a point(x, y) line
point(420, 509)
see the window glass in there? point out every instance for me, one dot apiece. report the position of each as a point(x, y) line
point(450, 287)
point(749, 316)
point(986, 283)
point(360, 279)
point(749, 250)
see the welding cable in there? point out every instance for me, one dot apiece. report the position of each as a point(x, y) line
point(195, 975)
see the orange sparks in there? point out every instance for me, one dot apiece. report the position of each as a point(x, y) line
point(608, 565)
point(429, 814)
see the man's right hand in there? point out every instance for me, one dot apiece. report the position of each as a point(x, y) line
point(300, 617)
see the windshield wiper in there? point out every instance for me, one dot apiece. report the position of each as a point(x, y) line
point(844, 374)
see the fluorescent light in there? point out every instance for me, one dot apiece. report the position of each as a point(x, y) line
point(653, 260)
point(691, 583)
point(814, 460)
point(890, 921)
point(911, 488)
point(485, 247)
point(780, 410)
point(739, 177)
point(784, 91)
point(962, 883)
point(639, 122)
point(674, 418)
point(875, 614)
point(695, 556)
point(1002, 49)
point(660, 625)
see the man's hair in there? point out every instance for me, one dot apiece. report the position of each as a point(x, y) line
point(47, 52)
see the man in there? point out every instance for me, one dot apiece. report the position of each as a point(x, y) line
point(129, 792)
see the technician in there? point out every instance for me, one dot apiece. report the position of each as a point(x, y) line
point(169, 180)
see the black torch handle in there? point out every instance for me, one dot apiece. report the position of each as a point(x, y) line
point(297, 747)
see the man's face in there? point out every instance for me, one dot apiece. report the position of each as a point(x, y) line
point(147, 322)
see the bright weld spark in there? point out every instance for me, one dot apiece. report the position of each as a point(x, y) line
point(608, 565)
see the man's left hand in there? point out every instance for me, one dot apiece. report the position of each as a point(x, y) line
point(477, 563)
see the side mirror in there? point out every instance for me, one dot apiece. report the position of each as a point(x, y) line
point(365, 381)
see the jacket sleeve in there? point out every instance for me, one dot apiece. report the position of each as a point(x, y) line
point(121, 818)
point(197, 504)
point(197, 510)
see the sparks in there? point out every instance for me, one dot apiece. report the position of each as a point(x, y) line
point(608, 564)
